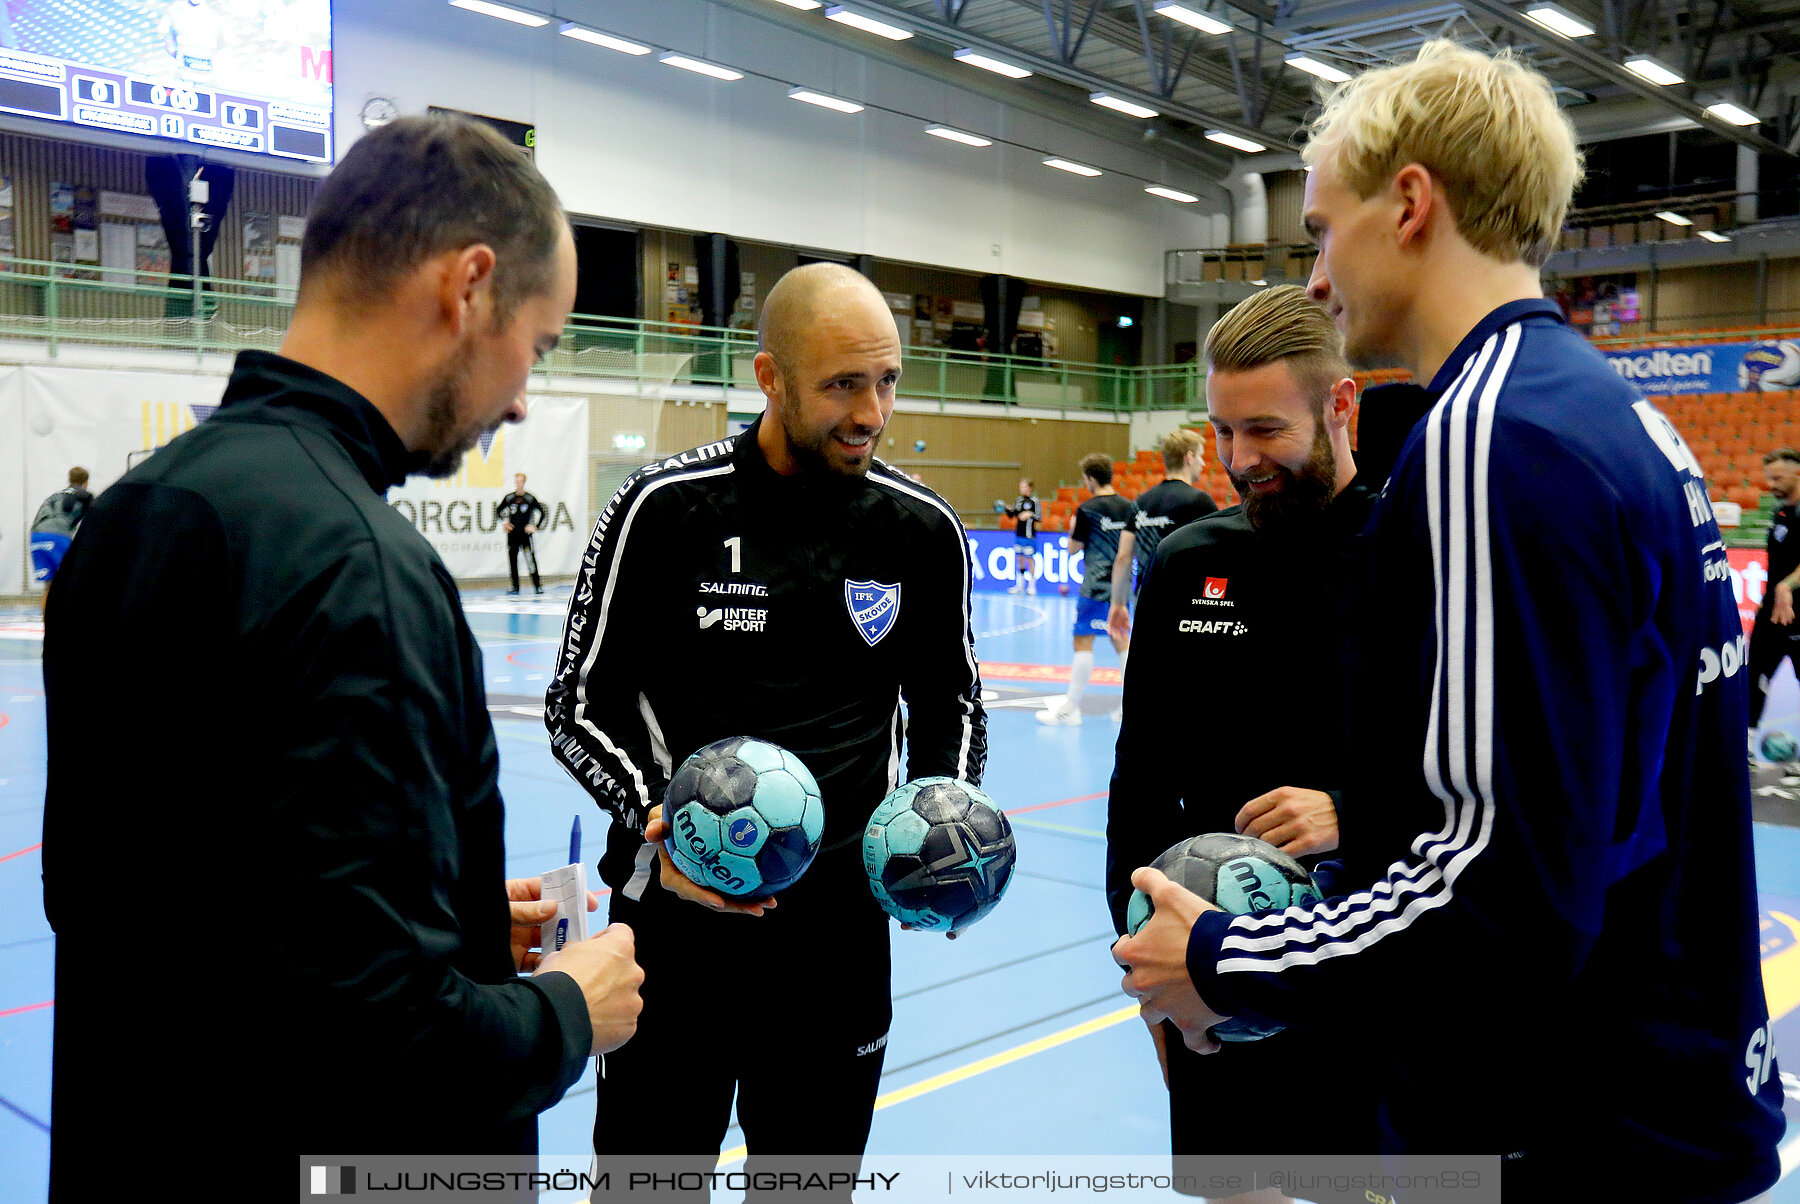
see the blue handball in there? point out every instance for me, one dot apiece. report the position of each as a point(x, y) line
point(1240, 874)
point(745, 818)
point(939, 854)
point(1780, 747)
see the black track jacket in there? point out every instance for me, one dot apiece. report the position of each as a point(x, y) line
point(273, 859)
point(718, 598)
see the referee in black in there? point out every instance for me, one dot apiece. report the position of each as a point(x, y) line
point(1776, 636)
point(520, 514)
point(1250, 599)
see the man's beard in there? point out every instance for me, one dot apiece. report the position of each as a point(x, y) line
point(444, 448)
point(1305, 494)
point(816, 451)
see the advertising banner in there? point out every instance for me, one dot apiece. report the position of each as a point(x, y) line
point(1749, 578)
point(460, 514)
point(1710, 367)
point(108, 421)
point(15, 495)
point(996, 569)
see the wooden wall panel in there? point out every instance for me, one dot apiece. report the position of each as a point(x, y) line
point(973, 460)
point(685, 425)
point(1285, 193)
point(1718, 295)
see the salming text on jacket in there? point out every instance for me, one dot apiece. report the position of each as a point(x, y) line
point(1554, 941)
point(719, 598)
point(298, 777)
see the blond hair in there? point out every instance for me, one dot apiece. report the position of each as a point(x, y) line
point(1280, 324)
point(1178, 445)
point(1488, 129)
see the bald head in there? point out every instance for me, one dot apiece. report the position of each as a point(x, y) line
point(812, 295)
point(829, 366)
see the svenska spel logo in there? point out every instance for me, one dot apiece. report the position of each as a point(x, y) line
point(1215, 586)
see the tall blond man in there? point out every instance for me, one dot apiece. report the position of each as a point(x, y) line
point(1552, 948)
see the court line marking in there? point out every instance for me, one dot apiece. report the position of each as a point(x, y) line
point(30, 848)
point(1007, 1057)
point(1017, 961)
point(1047, 826)
point(1061, 802)
point(30, 1007)
point(20, 1112)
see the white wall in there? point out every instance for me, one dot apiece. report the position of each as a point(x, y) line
point(634, 140)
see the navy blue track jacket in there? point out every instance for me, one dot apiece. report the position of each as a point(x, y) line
point(1553, 937)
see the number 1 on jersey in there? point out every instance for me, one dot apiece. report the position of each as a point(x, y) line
point(735, 543)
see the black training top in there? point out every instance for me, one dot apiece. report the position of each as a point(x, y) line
point(1784, 550)
point(1098, 525)
point(1253, 618)
point(522, 510)
point(719, 598)
point(306, 783)
point(1028, 513)
point(1163, 509)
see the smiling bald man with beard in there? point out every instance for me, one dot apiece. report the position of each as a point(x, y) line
point(787, 585)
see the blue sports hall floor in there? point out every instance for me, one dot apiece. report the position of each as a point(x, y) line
point(1020, 1023)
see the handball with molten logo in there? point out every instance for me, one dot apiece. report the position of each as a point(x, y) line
point(1239, 874)
point(939, 854)
point(745, 818)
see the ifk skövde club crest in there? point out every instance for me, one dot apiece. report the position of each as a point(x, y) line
point(873, 608)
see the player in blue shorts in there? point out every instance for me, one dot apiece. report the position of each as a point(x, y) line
point(1027, 513)
point(1099, 524)
point(55, 526)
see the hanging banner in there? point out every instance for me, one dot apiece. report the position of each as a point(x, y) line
point(100, 420)
point(109, 421)
point(14, 517)
point(460, 514)
point(1764, 366)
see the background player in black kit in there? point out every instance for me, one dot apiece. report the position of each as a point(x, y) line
point(1164, 508)
point(521, 514)
point(1027, 513)
point(1251, 597)
point(1099, 523)
point(715, 604)
point(1776, 636)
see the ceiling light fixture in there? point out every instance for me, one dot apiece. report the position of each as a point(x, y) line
point(1235, 142)
point(1107, 100)
point(517, 16)
point(1736, 115)
point(824, 101)
point(1675, 219)
point(949, 134)
point(698, 66)
point(1645, 67)
point(1560, 20)
point(1313, 66)
point(844, 16)
point(1191, 16)
point(1186, 198)
point(1073, 168)
point(594, 37)
point(998, 67)
point(1712, 236)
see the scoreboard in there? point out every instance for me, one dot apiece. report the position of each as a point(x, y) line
point(210, 73)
